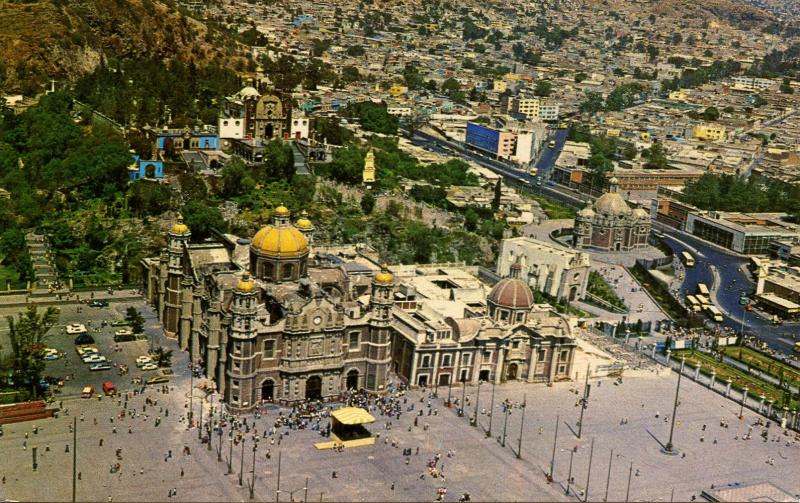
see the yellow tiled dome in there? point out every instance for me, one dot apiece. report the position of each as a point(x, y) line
point(281, 211)
point(303, 223)
point(179, 227)
point(281, 241)
point(246, 284)
point(384, 277)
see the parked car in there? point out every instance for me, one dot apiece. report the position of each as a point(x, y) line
point(143, 360)
point(76, 328)
point(124, 338)
point(100, 366)
point(124, 331)
point(158, 380)
point(119, 323)
point(109, 389)
point(51, 356)
point(149, 366)
point(87, 392)
point(84, 339)
point(94, 359)
point(98, 303)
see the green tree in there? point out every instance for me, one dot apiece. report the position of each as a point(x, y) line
point(367, 203)
point(543, 88)
point(236, 178)
point(592, 104)
point(355, 50)
point(202, 218)
point(786, 86)
point(629, 152)
point(498, 194)
point(27, 335)
point(656, 156)
point(162, 357)
point(134, 319)
point(580, 77)
point(711, 114)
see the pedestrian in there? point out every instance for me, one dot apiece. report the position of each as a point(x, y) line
point(181, 472)
point(333, 475)
point(392, 486)
point(101, 442)
point(79, 475)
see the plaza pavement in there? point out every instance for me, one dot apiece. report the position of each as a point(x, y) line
point(480, 466)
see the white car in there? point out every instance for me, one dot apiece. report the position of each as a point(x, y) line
point(142, 360)
point(95, 359)
point(124, 331)
point(149, 366)
point(76, 328)
point(51, 356)
point(100, 366)
point(83, 350)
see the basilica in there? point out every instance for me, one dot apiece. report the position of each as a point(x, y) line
point(610, 224)
point(272, 319)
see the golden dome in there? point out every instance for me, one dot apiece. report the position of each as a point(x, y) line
point(281, 211)
point(384, 277)
point(246, 284)
point(303, 223)
point(179, 227)
point(280, 241)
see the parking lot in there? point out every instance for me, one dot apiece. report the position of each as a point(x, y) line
point(478, 463)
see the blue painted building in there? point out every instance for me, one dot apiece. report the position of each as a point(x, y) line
point(145, 169)
point(185, 139)
point(482, 137)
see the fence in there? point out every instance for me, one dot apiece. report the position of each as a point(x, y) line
point(654, 263)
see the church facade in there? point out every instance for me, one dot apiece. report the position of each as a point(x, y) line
point(610, 224)
point(269, 320)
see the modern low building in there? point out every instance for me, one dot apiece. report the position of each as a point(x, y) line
point(746, 233)
point(554, 271)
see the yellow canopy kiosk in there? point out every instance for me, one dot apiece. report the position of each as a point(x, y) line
point(347, 428)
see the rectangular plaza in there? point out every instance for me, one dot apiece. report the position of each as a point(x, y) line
point(479, 465)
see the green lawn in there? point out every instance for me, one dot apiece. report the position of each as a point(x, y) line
point(739, 379)
point(763, 363)
point(552, 209)
point(599, 288)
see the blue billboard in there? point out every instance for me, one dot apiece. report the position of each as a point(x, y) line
point(482, 137)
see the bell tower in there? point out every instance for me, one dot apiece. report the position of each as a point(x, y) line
point(241, 348)
point(178, 237)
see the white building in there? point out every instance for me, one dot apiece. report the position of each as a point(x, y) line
point(752, 83)
point(535, 108)
point(398, 110)
point(231, 128)
point(299, 127)
point(557, 272)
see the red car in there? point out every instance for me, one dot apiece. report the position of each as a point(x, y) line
point(88, 392)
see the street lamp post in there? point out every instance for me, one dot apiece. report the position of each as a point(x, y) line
point(253, 471)
point(553, 458)
point(278, 486)
point(505, 424)
point(200, 424)
point(569, 474)
point(522, 425)
point(241, 463)
point(230, 453)
point(491, 412)
point(584, 401)
point(449, 388)
point(608, 478)
point(463, 397)
point(477, 404)
point(628, 490)
point(74, 457)
point(669, 448)
point(589, 474)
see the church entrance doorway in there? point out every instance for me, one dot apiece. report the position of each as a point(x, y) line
point(352, 379)
point(268, 391)
point(313, 388)
point(573, 292)
point(268, 131)
point(511, 375)
point(484, 375)
point(617, 246)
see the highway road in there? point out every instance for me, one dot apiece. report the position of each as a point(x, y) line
point(724, 274)
point(511, 174)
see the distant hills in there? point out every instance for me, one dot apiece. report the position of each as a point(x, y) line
point(64, 39)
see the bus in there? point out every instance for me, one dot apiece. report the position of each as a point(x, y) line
point(797, 347)
point(702, 289)
point(687, 259)
point(703, 300)
point(694, 304)
point(714, 313)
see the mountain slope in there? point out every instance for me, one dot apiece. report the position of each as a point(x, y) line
point(63, 39)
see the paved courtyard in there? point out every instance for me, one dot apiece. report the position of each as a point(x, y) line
point(479, 465)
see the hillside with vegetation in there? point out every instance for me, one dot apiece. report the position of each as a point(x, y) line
point(65, 39)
